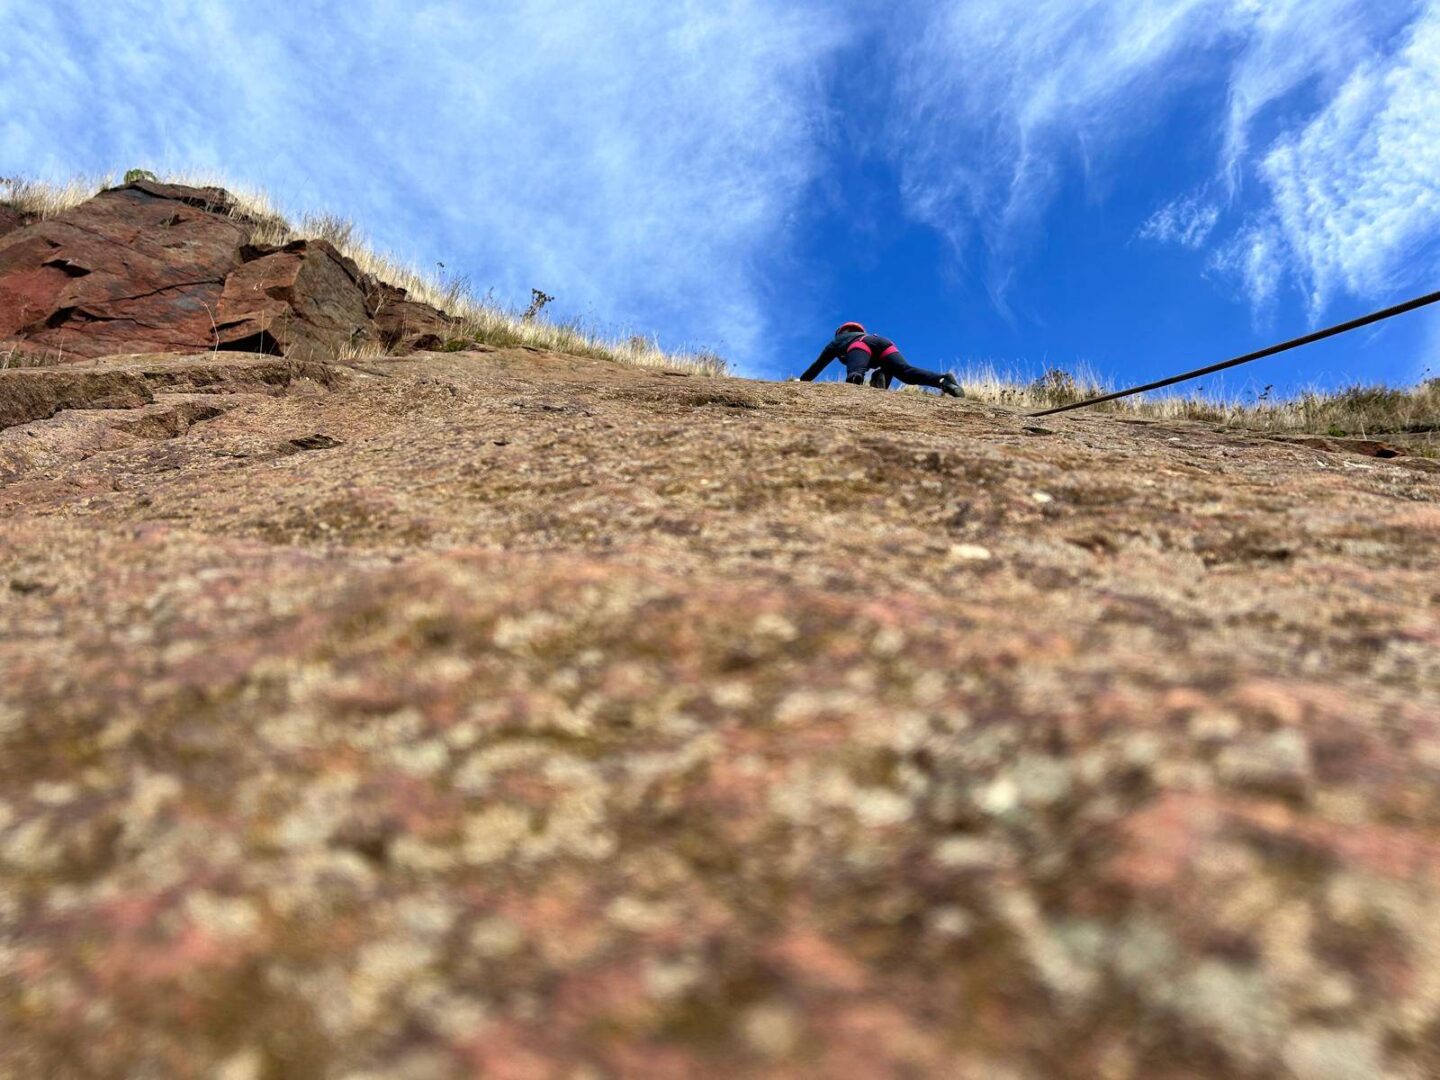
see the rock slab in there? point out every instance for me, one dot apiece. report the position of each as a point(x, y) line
point(522, 716)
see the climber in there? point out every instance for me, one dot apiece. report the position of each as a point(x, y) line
point(864, 352)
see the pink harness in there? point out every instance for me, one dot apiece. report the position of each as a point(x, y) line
point(859, 343)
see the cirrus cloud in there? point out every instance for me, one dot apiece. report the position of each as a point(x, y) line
point(1326, 148)
point(1356, 191)
point(1188, 221)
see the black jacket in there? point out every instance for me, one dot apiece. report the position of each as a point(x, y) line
point(842, 344)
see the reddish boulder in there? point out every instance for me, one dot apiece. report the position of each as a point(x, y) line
point(162, 268)
point(304, 300)
point(135, 269)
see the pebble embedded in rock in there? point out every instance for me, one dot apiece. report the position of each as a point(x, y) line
point(1277, 764)
point(970, 553)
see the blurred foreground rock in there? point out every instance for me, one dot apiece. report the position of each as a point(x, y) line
point(509, 715)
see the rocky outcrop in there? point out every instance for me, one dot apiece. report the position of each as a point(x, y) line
point(153, 267)
point(304, 299)
point(137, 269)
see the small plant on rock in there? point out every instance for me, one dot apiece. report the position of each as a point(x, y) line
point(538, 299)
point(1057, 387)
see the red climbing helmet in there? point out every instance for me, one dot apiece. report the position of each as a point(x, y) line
point(849, 328)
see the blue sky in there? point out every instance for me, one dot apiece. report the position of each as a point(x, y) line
point(1137, 185)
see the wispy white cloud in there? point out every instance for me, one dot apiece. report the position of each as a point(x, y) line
point(1326, 149)
point(1285, 46)
point(1356, 190)
point(1188, 221)
point(636, 158)
point(995, 101)
point(1255, 255)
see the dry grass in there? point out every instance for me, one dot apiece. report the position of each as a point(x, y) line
point(479, 320)
point(12, 356)
point(1354, 411)
point(1358, 410)
point(40, 200)
point(1056, 387)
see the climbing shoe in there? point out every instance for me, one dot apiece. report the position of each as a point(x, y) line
point(879, 380)
point(855, 380)
point(950, 385)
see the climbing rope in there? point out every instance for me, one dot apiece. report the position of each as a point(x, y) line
point(1274, 350)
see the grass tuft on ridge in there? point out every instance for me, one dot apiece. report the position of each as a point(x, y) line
point(1356, 411)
